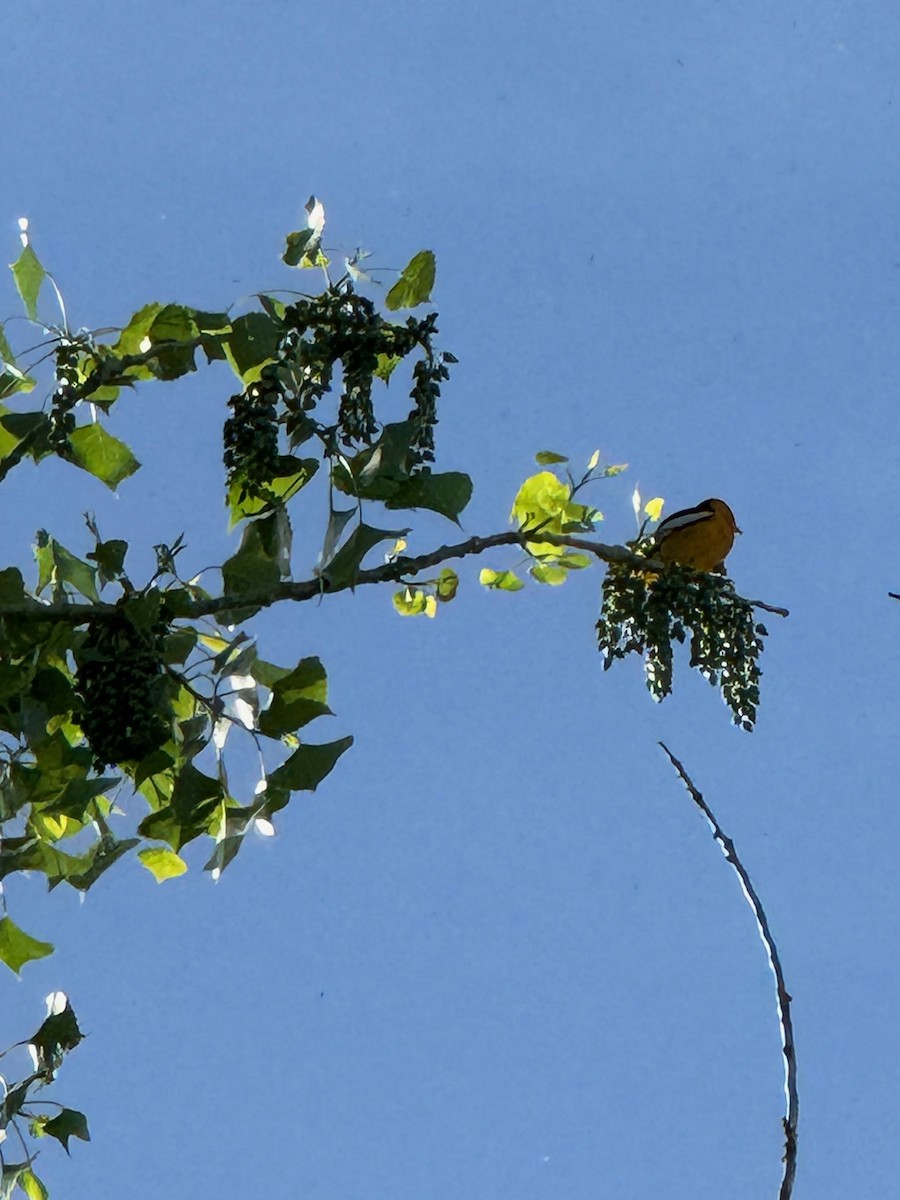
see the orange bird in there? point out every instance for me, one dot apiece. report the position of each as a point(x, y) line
point(699, 537)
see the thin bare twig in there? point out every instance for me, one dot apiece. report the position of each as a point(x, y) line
point(782, 996)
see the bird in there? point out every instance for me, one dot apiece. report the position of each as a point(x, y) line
point(699, 538)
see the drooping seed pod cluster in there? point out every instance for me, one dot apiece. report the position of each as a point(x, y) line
point(251, 437)
point(65, 397)
point(646, 614)
point(122, 686)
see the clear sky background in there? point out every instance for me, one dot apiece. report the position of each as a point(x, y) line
point(498, 955)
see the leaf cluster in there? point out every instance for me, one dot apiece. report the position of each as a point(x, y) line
point(24, 1100)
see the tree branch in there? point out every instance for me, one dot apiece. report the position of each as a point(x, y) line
point(391, 572)
point(782, 996)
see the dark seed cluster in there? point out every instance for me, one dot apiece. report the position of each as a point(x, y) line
point(341, 331)
point(251, 437)
point(65, 397)
point(122, 687)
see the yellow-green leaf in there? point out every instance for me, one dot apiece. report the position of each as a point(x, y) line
point(541, 500)
point(501, 581)
point(409, 603)
point(32, 1186)
point(447, 584)
point(415, 283)
point(653, 508)
point(103, 455)
point(17, 947)
point(547, 573)
point(572, 560)
point(162, 863)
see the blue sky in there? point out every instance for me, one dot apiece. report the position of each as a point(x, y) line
point(498, 954)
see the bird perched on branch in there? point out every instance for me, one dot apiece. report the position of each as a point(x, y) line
point(699, 537)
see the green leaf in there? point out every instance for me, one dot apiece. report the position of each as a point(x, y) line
point(415, 283)
point(213, 329)
point(253, 342)
point(387, 364)
point(301, 247)
point(12, 586)
point(447, 493)
point(297, 699)
point(224, 853)
point(308, 766)
point(274, 307)
point(409, 603)
point(447, 585)
point(501, 581)
point(546, 457)
point(101, 856)
point(18, 426)
point(110, 558)
point(57, 566)
point(178, 645)
point(173, 324)
point(143, 608)
point(29, 274)
point(136, 330)
point(379, 471)
point(294, 473)
point(58, 1034)
point(54, 690)
point(66, 1124)
point(18, 948)
point(345, 566)
point(162, 863)
point(263, 558)
point(573, 561)
point(546, 573)
point(32, 1186)
point(192, 806)
point(10, 1175)
point(337, 520)
point(102, 455)
point(541, 500)
point(12, 381)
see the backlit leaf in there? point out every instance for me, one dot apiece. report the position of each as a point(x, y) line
point(162, 863)
point(17, 947)
point(102, 455)
point(653, 508)
point(29, 274)
point(415, 283)
point(501, 581)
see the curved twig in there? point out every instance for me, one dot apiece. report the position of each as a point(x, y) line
point(782, 996)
